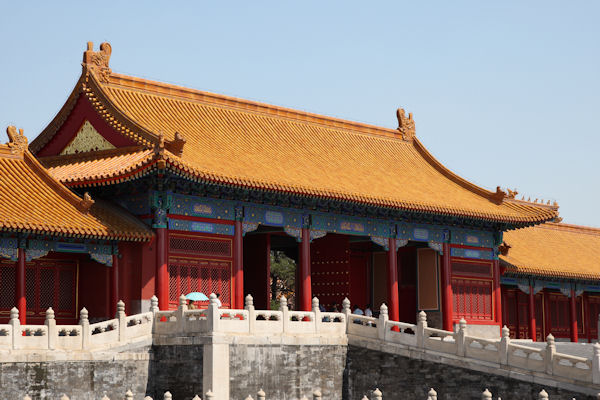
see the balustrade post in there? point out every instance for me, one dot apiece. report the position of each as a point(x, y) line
point(504, 343)
point(167, 396)
point(85, 328)
point(210, 395)
point(596, 364)
point(460, 338)
point(421, 325)
point(251, 312)
point(316, 314)
point(382, 323)
point(486, 395)
point(317, 395)
point(347, 311)
point(543, 395)
point(128, 395)
point(154, 304)
point(260, 395)
point(16, 327)
point(181, 309)
point(550, 351)
point(51, 326)
point(196, 397)
point(377, 395)
point(213, 316)
point(283, 307)
point(122, 322)
point(432, 394)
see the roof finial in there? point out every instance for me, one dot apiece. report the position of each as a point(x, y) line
point(406, 125)
point(98, 61)
point(16, 140)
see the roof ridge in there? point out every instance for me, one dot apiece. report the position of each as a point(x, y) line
point(571, 227)
point(185, 93)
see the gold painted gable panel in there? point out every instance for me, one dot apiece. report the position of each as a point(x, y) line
point(87, 139)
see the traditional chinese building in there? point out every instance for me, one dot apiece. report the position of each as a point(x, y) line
point(57, 249)
point(551, 281)
point(367, 212)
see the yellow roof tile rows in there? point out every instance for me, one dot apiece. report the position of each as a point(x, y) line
point(32, 201)
point(552, 249)
point(97, 166)
point(244, 143)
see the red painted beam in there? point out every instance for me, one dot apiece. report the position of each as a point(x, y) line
point(162, 275)
point(532, 327)
point(238, 266)
point(573, 299)
point(447, 289)
point(305, 281)
point(392, 281)
point(20, 299)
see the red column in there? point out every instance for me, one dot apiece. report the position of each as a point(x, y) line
point(586, 309)
point(447, 308)
point(532, 328)
point(114, 285)
point(238, 266)
point(161, 279)
point(547, 320)
point(305, 283)
point(392, 281)
point(497, 292)
point(573, 299)
point(20, 299)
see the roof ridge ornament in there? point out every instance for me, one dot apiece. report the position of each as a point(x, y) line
point(98, 61)
point(86, 203)
point(499, 196)
point(159, 151)
point(406, 125)
point(17, 141)
point(175, 146)
point(504, 248)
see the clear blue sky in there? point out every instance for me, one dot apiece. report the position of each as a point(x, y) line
point(503, 93)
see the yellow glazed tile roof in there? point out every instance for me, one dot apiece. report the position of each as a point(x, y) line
point(244, 143)
point(98, 166)
point(552, 249)
point(32, 201)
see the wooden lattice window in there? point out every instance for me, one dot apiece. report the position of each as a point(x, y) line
point(559, 309)
point(48, 283)
point(472, 299)
point(199, 263)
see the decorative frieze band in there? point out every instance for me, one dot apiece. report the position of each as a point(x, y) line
point(271, 215)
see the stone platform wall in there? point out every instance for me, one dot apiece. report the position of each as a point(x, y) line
point(86, 379)
point(403, 378)
point(287, 372)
